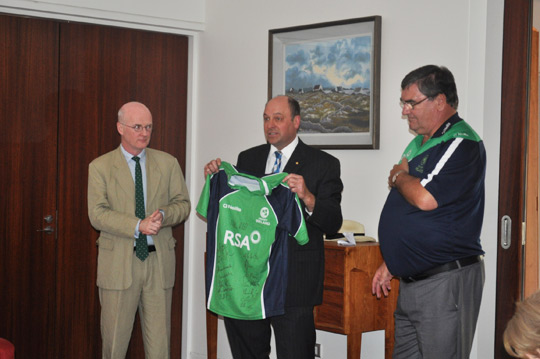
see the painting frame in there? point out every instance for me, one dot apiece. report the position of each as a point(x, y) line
point(328, 123)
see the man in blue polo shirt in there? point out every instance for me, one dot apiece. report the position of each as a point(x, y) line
point(429, 229)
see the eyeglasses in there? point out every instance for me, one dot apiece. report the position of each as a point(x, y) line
point(139, 128)
point(409, 105)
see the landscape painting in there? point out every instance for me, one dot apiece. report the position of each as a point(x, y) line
point(332, 70)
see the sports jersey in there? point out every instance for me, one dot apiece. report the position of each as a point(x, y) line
point(451, 166)
point(250, 220)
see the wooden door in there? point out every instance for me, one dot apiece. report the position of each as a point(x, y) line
point(61, 87)
point(28, 146)
point(514, 111)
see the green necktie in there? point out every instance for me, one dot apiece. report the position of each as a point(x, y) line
point(141, 245)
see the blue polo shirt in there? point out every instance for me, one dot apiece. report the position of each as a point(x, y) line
point(451, 166)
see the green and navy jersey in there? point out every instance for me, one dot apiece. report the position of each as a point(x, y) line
point(451, 165)
point(250, 220)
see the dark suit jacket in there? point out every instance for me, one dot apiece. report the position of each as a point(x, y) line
point(321, 173)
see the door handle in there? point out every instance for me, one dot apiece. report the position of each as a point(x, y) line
point(47, 230)
point(506, 232)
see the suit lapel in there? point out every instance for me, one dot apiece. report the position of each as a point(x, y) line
point(260, 163)
point(296, 162)
point(122, 175)
point(256, 161)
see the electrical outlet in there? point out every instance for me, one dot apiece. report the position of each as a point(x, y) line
point(318, 349)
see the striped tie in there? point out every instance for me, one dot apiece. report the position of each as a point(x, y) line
point(277, 163)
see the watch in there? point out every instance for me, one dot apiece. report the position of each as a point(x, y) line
point(394, 178)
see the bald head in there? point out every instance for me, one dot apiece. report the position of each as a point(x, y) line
point(133, 108)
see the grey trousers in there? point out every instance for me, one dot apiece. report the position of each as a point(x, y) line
point(436, 317)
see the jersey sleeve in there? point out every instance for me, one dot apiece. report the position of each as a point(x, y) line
point(301, 233)
point(294, 219)
point(204, 199)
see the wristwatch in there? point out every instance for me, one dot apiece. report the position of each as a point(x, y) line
point(394, 178)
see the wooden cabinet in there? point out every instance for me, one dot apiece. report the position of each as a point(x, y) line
point(348, 306)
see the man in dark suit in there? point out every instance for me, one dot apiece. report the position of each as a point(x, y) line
point(314, 176)
point(136, 272)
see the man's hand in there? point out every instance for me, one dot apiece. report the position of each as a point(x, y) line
point(151, 224)
point(381, 281)
point(397, 170)
point(212, 167)
point(297, 185)
point(410, 187)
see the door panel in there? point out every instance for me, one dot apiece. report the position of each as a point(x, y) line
point(102, 68)
point(28, 118)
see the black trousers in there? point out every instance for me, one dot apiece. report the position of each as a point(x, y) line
point(294, 334)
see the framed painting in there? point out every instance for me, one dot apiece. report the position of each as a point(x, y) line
point(333, 70)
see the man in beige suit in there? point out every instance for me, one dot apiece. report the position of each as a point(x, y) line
point(128, 281)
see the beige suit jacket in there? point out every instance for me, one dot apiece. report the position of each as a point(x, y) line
point(111, 209)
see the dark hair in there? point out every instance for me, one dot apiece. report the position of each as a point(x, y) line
point(294, 106)
point(433, 80)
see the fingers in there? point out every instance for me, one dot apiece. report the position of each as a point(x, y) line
point(375, 287)
point(381, 281)
point(297, 185)
point(396, 170)
point(385, 288)
point(212, 167)
point(150, 225)
point(380, 288)
point(157, 216)
point(295, 182)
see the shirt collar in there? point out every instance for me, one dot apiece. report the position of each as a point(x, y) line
point(287, 150)
point(446, 125)
point(129, 156)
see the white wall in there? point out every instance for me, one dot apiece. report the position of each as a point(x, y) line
point(464, 35)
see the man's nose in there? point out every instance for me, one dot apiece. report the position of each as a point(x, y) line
point(405, 110)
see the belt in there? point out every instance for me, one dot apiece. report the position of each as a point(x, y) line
point(151, 248)
point(460, 263)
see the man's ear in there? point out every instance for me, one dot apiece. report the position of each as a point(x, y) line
point(441, 101)
point(296, 121)
point(119, 128)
